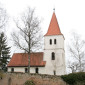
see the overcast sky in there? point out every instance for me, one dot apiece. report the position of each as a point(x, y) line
point(70, 14)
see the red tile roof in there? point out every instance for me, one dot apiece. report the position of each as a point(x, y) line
point(53, 27)
point(21, 59)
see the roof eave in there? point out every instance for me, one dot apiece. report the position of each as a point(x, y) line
point(30, 66)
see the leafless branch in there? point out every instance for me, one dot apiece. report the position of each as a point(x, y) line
point(76, 50)
point(29, 36)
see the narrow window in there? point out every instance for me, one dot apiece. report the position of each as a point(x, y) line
point(54, 41)
point(54, 72)
point(50, 41)
point(53, 56)
point(36, 70)
point(12, 69)
point(26, 70)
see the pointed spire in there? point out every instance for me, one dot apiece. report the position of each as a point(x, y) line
point(53, 27)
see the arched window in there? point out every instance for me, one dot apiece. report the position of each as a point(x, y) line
point(36, 70)
point(53, 56)
point(12, 69)
point(50, 41)
point(26, 70)
point(54, 41)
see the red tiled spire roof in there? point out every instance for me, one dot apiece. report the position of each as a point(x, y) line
point(21, 59)
point(53, 27)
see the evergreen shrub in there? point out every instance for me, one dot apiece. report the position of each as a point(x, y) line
point(29, 82)
point(72, 78)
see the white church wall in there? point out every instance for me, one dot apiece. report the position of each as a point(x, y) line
point(59, 63)
point(32, 70)
point(9, 69)
point(59, 43)
point(17, 69)
point(40, 70)
point(22, 69)
point(56, 64)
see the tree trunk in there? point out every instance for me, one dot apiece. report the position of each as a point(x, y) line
point(28, 63)
point(29, 54)
point(80, 64)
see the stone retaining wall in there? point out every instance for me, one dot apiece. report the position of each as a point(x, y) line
point(20, 78)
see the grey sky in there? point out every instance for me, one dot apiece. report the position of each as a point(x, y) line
point(70, 14)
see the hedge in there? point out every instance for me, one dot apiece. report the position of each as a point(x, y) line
point(72, 78)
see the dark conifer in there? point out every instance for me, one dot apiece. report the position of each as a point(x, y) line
point(4, 52)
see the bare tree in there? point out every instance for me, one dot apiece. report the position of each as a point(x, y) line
point(3, 20)
point(73, 66)
point(3, 17)
point(29, 36)
point(76, 51)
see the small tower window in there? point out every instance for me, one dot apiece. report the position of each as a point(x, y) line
point(26, 70)
point(50, 41)
point(53, 56)
point(36, 70)
point(54, 72)
point(12, 69)
point(54, 41)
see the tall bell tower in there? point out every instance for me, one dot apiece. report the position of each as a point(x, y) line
point(54, 53)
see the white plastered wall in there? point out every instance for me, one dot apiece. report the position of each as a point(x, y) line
point(59, 63)
point(22, 69)
point(17, 69)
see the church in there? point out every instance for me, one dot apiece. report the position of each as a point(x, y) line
point(51, 61)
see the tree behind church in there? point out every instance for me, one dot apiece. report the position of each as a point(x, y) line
point(77, 54)
point(29, 36)
point(3, 17)
point(4, 52)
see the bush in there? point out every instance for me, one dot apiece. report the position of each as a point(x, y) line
point(74, 77)
point(29, 82)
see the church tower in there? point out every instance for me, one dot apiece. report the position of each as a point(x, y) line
point(54, 53)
